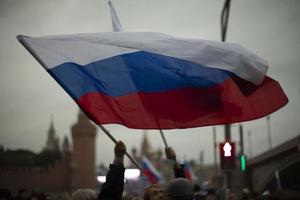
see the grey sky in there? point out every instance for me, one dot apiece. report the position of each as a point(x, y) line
point(270, 28)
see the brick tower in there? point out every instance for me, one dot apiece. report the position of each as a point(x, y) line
point(83, 156)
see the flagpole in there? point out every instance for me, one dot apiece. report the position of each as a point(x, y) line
point(215, 148)
point(117, 27)
point(32, 52)
point(163, 138)
point(173, 161)
point(115, 141)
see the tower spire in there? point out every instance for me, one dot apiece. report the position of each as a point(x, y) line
point(52, 140)
point(51, 128)
point(145, 148)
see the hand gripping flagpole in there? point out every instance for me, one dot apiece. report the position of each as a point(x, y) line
point(33, 53)
point(115, 141)
point(173, 161)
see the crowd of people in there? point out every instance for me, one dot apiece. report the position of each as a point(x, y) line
point(179, 188)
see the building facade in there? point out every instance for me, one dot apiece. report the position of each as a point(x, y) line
point(73, 170)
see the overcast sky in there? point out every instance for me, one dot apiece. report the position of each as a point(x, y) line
point(29, 96)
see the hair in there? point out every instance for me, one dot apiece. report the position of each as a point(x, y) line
point(146, 193)
point(180, 188)
point(84, 194)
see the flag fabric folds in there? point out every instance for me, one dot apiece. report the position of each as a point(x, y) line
point(149, 172)
point(156, 81)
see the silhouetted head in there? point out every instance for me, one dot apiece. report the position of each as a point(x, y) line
point(84, 194)
point(179, 189)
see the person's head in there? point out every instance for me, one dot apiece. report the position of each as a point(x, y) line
point(23, 194)
point(84, 194)
point(154, 192)
point(179, 188)
point(246, 193)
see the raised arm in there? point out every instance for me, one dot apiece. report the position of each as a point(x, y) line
point(178, 169)
point(114, 185)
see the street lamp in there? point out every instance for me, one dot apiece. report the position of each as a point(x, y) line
point(269, 131)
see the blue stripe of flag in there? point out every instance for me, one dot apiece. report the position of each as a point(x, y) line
point(135, 72)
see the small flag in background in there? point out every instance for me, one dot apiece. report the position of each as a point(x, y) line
point(188, 171)
point(148, 171)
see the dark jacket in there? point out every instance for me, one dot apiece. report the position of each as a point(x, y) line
point(179, 172)
point(112, 189)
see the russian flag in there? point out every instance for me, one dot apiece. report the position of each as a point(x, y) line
point(149, 171)
point(188, 171)
point(156, 81)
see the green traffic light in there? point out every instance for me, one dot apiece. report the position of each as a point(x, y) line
point(243, 163)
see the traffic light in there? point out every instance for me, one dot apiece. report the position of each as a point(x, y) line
point(227, 155)
point(243, 162)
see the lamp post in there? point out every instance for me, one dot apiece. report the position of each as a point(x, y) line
point(215, 149)
point(269, 131)
point(250, 144)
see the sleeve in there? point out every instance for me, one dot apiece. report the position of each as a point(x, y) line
point(179, 172)
point(114, 185)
